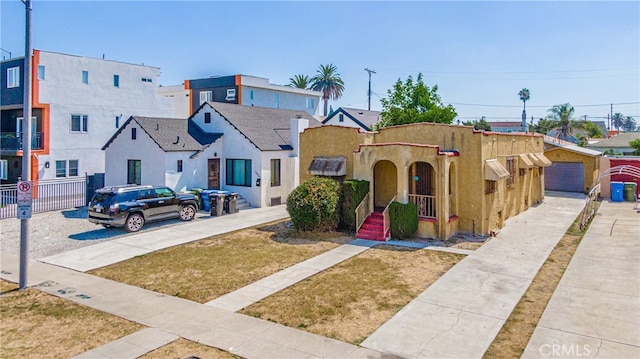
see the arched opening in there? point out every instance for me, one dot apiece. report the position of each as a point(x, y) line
point(422, 191)
point(385, 183)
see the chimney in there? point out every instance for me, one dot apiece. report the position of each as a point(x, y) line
point(298, 125)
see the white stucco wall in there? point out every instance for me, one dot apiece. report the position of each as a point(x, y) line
point(63, 89)
point(348, 122)
point(180, 98)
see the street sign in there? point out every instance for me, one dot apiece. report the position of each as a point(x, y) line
point(24, 212)
point(25, 193)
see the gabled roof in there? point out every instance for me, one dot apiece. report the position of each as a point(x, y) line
point(620, 141)
point(170, 134)
point(569, 147)
point(364, 118)
point(265, 128)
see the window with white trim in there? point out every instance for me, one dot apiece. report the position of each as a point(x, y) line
point(79, 123)
point(67, 168)
point(41, 72)
point(4, 167)
point(13, 77)
point(238, 172)
point(73, 168)
point(231, 95)
point(275, 172)
point(206, 96)
point(61, 168)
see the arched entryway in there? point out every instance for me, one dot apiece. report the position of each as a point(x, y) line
point(385, 183)
point(422, 188)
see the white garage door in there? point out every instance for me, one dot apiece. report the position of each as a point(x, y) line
point(564, 176)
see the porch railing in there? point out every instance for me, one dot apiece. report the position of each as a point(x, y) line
point(362, 211)
point(589, 209)
point(386, 219)
point(13, 141)
point(426, 205)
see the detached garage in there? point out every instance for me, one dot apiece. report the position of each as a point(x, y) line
point(574, 168)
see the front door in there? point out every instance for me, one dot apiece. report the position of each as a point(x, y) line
point(213, 173)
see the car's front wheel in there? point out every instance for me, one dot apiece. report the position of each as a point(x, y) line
point(187, 213)
point(134, 222)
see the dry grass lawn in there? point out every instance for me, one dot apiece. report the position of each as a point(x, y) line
point(350, 301)
point(207, 269)
point(183, 348)
point(38, 325)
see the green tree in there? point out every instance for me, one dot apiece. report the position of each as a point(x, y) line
point(413, 102)
point(562, 121)
point(300, 81)
point(328, 81)
point(635, 144)
point(617, 120)
point(593, 130)
point(543, 126)
point(629, 124)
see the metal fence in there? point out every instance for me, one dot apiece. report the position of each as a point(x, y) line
point(48, 195)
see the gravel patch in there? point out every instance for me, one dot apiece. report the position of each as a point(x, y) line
point(60, 231)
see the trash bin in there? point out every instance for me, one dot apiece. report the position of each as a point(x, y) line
point(630, 191)
point(617, 191)
point(205, 200)
point(216, 203)
point(198, 193)
point(231, 203)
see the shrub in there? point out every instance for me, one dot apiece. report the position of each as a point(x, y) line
point(353, 192)
point(314, 205)
point(404, 219)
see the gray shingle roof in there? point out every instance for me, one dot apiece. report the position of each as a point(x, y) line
point(266, 128)
point(364, 118)
point(620, 141)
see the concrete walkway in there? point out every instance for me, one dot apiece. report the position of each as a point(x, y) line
point(460, 314)
point(595, 310)
point(120, 249)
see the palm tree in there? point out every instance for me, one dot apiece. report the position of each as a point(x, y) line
point(629, 124)
point(617, 120)
point(328, 82)
point(300, 81)
point(561, 117)
point(524, 97)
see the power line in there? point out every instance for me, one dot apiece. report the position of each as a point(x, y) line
point(542, 106)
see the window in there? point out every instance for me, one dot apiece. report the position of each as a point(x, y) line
point(277, 102)
point(117, 121)
point(3, 169)
point(163, 192)
point(489, 186)
point(13, 77)
point(146, 79)
point(73, 168)
point(179, 166)
point(522, 172)
point(116, 80)
point(511, 167)
point(40, 72)
point(251, 94)
point(275, 172)
point(133, 133)
point(206, 96)
point(134, 172)
point(231, 95)
point(311, 103)
point(341, 117)
point(79, 123)
point(85, 77)
point(238, 172)
point(207, 117)
point(61, 168)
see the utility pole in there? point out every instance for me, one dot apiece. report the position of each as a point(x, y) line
point(26, 143)
point(369, 93)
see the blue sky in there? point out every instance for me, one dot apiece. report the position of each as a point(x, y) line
point(480, 54)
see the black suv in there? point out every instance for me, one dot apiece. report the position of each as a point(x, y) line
point(130, 206)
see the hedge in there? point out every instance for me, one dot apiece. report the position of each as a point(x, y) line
point(353, 193)
point(315, 205)
point(404, 219)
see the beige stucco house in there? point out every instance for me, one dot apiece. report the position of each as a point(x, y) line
point(462, 180)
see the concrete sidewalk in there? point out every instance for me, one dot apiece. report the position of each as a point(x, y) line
point(460, 314)
point(595, 309)
point(120, 249)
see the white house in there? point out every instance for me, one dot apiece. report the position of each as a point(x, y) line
point(78, 103)
point(353, 117)
point(249, 150)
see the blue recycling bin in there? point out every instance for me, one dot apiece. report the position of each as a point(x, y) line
point(206, 206)
point(617, 191)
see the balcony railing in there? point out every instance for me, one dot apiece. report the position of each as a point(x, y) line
point(12, 141)
point(426, 205)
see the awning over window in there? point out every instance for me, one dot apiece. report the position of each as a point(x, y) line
point(494, 171)
point(525, 162)
point(540, 160)
point(328, 166)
